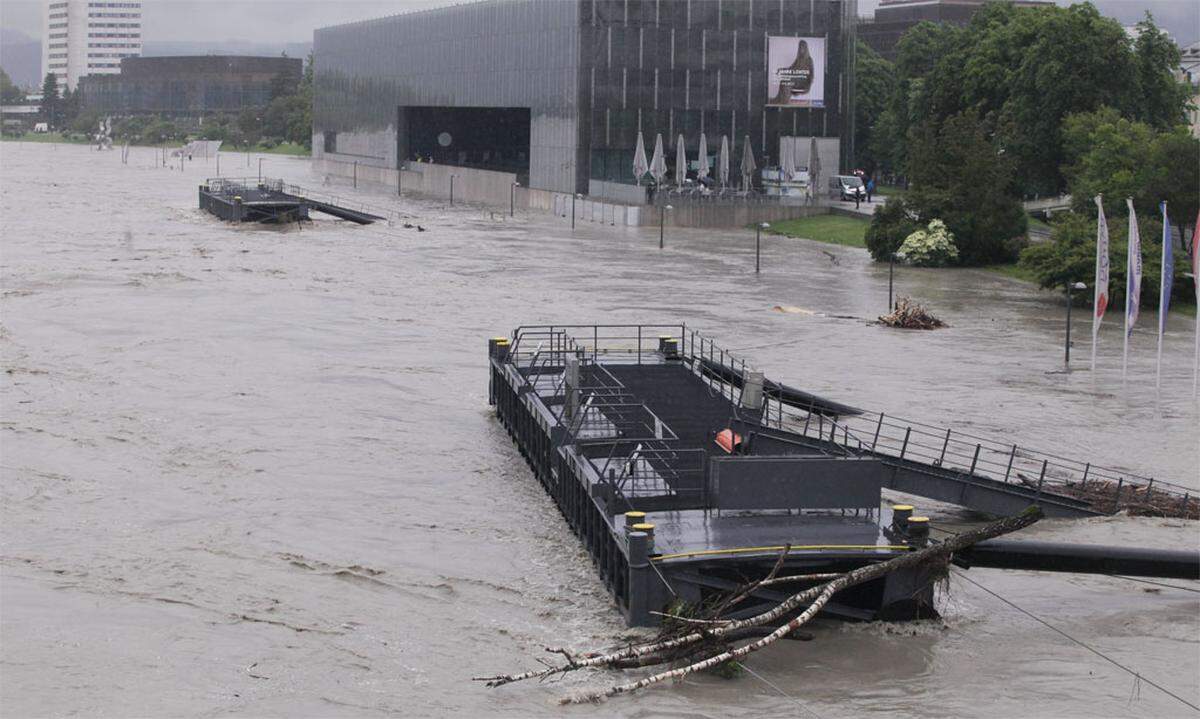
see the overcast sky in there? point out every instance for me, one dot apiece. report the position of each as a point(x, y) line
point(294, 20)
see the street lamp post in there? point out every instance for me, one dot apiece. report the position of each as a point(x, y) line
point(662, 212)
point(891, 274)
point(758, 243)
point(512, 198)
point(1070, 286)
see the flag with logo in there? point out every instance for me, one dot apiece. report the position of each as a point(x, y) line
point(1164, 294)
point(1133, 273)
point(1100, 300)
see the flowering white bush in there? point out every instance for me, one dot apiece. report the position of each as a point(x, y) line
point(931, 247)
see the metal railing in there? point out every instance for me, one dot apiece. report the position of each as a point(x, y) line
point(230, 186)
point(866, 432)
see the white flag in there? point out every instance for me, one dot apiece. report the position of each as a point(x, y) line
point(1133, 284)
point(1133, 272)
point(1100, 299)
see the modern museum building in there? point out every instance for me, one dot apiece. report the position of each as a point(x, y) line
point(555, 94)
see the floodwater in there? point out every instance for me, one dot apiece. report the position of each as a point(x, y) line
point(249, 471)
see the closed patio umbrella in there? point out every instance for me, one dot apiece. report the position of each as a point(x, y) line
point(640, 166)
point(814, 169)
point(787, 157)
point(723, 162)
point(680, 161)
point(748, 165)
point(658, 164)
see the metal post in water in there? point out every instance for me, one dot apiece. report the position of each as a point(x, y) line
point(399, 181)
point(356, 174)
point(891, 273)
point(512, 198)
point(218, 163)
point(758, 243)
point(452, 190)
point(1070, 286)
point(260, 169)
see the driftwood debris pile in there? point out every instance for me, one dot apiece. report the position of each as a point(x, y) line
point(909, 315)
point(689, 644)
point(1136, 500)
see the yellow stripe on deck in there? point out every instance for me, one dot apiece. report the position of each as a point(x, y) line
point(780, 548)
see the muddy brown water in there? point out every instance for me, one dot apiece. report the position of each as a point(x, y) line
point(252, 471)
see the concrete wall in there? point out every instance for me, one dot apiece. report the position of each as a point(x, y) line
point(482, 186)
point(492, 188)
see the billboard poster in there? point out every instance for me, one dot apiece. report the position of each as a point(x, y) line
point(795, 71)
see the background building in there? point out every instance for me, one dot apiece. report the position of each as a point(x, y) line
point(894, 17)
point(190, 86)
point(556, 92)
point(81, 38)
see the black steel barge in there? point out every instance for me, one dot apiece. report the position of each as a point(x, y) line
point(274, 201)
point(685, 472)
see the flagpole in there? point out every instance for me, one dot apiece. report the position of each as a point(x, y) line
point(1128, 289)
point(1164, 293)
point(1100, 292)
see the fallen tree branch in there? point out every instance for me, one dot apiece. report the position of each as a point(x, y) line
point(823, 594)
point(820, 594)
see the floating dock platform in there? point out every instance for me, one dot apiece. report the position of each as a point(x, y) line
point(273, 201)
point(686, 473)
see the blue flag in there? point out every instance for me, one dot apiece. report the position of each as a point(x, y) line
point(1168, 273)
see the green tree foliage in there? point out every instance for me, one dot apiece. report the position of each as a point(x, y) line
point(49, 109)
point(962, 177)
point(1070, 256)
point(1163, 98)
point(875, 81)
point(1023, 71)
point(1118, 158)
point(892, 223)
point(10, 94)
point(916, 55)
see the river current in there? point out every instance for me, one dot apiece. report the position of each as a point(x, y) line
point(252, 471)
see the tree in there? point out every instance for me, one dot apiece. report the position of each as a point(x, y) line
point(10, 94)
point(1023, 71)
point(892, 223)
point(875, 80)
point(962, 176)
point(1163, 98)
point(1116, 157)
point(49, 107)
point(1070, 256)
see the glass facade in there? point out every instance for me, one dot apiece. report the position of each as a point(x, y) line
point(591, 72)
point(699, 66)
point(504, 54)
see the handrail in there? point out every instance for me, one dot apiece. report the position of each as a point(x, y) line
point(867, 433)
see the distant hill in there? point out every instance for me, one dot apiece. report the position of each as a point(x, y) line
point(21, 57)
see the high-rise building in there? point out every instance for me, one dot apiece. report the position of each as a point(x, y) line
point(81, 37)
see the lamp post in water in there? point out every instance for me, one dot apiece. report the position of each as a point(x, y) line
point(758, 242)
point(891, 274)
point(512, 198)
point(452, 190)
point(662, 212)
point(1070, 286)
